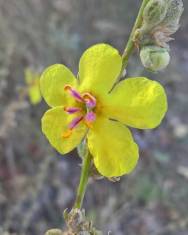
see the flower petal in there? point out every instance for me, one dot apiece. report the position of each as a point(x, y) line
point(137, 102)
point(55, 124)
point(99, 67)
point(34, 94)
point(114, 151)
point(32, 81)
point(52, 83)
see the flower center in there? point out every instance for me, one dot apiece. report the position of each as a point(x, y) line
point(84, 110)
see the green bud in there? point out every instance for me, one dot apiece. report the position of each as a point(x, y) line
point(154, 58)
point(160, 20)
point(173, 15)
point(154, 13)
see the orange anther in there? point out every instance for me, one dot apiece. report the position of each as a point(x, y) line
point(67, 87)
point(67, 133)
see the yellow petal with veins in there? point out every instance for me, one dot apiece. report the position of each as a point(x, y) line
point(113, 148)
point(55, 127)
point(137, 102)
point(52, 83)
point(99, 67)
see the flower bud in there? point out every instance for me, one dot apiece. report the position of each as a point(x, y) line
point(173, 14)
point(154, 13)
point(154, 58)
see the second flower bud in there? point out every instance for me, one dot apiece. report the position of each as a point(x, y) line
point(154, 58)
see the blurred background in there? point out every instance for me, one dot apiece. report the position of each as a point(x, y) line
point(36, 183)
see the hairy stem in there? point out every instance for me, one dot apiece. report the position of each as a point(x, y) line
point(130, 44)
point(83, 180)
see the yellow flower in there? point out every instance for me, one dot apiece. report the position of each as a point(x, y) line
point(89, 107)
point(32, 81)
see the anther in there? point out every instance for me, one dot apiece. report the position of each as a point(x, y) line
point(74, 93)
point(89, 100)
point(67, 133)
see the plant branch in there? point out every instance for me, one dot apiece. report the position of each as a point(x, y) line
point(130, 44)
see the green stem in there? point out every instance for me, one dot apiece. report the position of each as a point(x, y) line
point(83, 181)
point(130, 44)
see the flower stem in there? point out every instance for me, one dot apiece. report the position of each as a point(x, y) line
point(130, 44)
point(87, 159)
point(83, 180)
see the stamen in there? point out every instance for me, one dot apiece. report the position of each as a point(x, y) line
point(75, 122)
point(72, 110)
point(74, 93)
point(71, 126)
point(89, 118)
point(89, 100)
